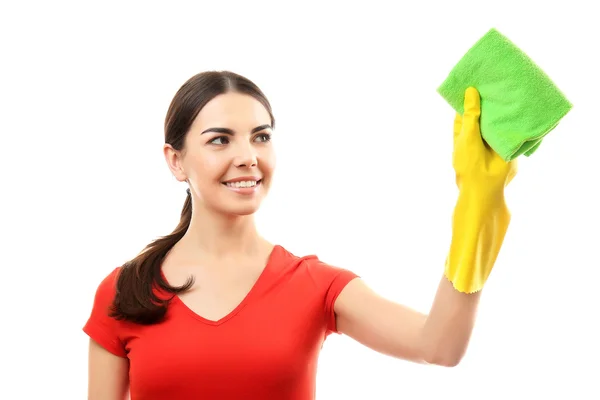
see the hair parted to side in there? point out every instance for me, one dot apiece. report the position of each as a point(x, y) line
point(136, 299)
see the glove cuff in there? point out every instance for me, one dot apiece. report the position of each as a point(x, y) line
point(478, 230)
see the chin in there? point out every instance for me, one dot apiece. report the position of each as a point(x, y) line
point(239, 209)
point(246, 212)
point(242, 211)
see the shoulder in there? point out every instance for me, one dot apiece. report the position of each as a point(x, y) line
point(318, 270)
point(324, 277)
point(322, 281)
point(104, 297)
point(107, 287)
point(100, 326)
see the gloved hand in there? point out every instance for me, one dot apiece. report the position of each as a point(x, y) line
point(481, 216)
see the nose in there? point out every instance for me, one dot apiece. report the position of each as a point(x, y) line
point(246, 157)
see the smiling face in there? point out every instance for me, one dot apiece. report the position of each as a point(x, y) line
point(227, 159)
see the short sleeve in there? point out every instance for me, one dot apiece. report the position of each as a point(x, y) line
point(331, 280)
point(100, 326)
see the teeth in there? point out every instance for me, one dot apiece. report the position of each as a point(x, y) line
point(242, 184)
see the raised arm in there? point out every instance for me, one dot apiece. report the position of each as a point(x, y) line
point(480, 222)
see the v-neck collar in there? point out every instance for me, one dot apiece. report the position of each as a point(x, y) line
point(263, 279)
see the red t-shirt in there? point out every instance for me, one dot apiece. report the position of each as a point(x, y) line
point(266, 348)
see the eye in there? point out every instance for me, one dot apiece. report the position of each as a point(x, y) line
point(222, 139)
point(264, 137)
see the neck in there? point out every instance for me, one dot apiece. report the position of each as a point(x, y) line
point(219, 235)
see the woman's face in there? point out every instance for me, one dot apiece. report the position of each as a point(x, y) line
point(228, 159)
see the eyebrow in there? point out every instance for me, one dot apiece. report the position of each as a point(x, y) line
point(230, 131)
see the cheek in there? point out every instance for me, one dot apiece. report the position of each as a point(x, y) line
point(208, 168)
point(268, 162)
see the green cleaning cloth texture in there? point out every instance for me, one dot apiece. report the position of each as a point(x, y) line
point(520, 105)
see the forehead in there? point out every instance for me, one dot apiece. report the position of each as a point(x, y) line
point(232, 110)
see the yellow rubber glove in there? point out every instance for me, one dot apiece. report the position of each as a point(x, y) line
point(481, 217)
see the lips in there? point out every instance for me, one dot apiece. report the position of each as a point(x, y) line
point(244, 188)
point(249, 178)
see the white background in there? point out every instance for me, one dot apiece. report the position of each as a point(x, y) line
point(364, 176)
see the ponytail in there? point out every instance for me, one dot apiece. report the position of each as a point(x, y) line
point(135, 299)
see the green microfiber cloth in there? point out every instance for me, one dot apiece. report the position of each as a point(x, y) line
point(519, 103)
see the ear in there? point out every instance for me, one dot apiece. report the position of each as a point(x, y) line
point(174, 161)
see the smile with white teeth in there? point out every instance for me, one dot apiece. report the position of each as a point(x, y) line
point(242, 184)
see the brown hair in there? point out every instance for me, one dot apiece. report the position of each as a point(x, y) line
point(136, 299)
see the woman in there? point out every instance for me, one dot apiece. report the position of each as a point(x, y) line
point(215, 311)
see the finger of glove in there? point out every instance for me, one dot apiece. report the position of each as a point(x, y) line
point(470, 119)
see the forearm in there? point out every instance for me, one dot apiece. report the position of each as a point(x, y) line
point(479, 224)
point(447, 329)
point(477, 236)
